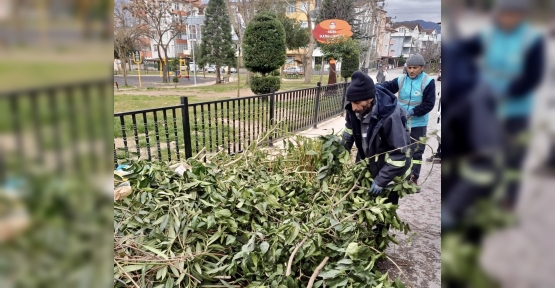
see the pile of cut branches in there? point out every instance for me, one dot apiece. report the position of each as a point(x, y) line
point(299, 218)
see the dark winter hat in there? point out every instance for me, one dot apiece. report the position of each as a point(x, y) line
point(512, 5)
point(416, 60)
point(361, 87)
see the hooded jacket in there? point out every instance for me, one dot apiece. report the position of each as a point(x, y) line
point(387, 132)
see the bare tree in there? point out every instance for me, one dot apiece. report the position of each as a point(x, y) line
point(431, 51)
point(127, 33)
point(163, 25)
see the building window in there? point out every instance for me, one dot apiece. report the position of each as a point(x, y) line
point(291, 8)
point(176, 6)
point(179, 48)
point(155, 48)
point(305, 6)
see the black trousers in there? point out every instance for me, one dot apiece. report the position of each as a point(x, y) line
point(515, 154)
point(417, 150)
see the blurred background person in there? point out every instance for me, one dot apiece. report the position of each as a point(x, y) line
point(490, 83)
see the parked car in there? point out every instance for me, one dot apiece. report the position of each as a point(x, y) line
point(211, 69)
point(293, 70)
point(233, 70)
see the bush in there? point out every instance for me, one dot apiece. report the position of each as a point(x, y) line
point(264, 44)
point(317, 67)
point(349, 65)
point(402, 60)
point(175, 79)
point(275, 73)
point(262, 85)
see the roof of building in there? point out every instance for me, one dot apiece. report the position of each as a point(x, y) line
point(428, 31)
point(409, 24)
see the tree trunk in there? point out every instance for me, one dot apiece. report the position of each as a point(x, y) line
point(238, 73)
point(322, 70)
point(249, 76)
point(124, 70)
point(164, 64)
point(333, 77)
point(308, 56)
point(218, 75)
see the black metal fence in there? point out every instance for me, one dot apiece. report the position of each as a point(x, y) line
point(180, 131)
point(59, 128)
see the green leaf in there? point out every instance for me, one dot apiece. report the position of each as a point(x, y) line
point(156, 251)
point(216, 270)
point(345, 261)
point(264, 246)
point(352, 249)
point(329, 274)
point(318, 283)
point(210, 222)
point(311, 153)
point(131, 268)
point(230, 240)
point(224, 213)
point(293, 236)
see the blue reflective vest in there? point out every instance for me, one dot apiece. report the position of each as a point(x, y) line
point(504, 56)
point(410, 95)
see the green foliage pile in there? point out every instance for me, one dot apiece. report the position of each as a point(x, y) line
point(262, 85)
point(263, 218)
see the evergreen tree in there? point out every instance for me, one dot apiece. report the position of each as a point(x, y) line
point(217, 45)
point(264, 51)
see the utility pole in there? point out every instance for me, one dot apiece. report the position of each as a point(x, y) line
point(196, 65)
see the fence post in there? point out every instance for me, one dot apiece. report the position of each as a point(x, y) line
point(316, 106)
point(186, 127)
point(344, 97)
point(272, 115)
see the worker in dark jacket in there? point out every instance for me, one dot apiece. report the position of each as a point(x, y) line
point(377, 124)
point(417, 95)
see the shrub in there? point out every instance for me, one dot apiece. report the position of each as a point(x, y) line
point(348, 66)
point(264, 44)
point(175, 79)
point(317, 67)
point(262, 85)
point(275, 73)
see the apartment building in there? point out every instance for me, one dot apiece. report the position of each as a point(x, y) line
point(409, 38)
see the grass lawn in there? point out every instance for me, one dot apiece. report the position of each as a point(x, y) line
point(153, 97)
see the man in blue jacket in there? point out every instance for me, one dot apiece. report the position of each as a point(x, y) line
point(377, 124)
point(417, 95)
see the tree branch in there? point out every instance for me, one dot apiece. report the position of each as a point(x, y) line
point(316, 272)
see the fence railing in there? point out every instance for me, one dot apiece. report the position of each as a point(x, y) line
point(59, 128)
point(180, 131)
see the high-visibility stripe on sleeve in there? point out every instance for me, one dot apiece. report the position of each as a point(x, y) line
point(348, 131)
point(512, 175)
point(395, 163)
point(477, 177)
point(418, 162)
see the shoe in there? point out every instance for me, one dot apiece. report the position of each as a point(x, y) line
point(436, 158)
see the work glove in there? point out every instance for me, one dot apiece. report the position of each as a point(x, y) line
point(410, 113)
point(375, 189)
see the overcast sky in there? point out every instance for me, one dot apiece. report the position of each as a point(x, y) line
point(405, 10)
